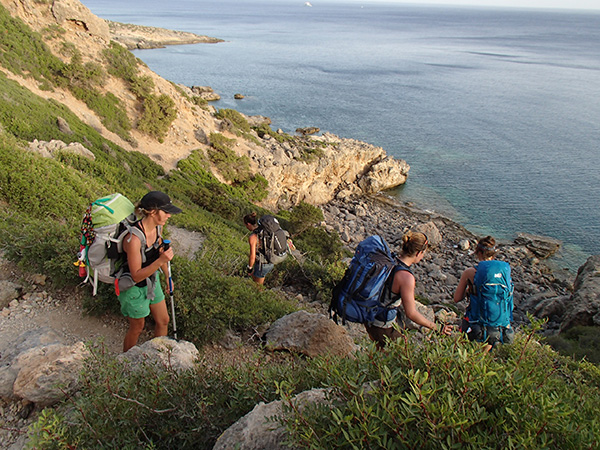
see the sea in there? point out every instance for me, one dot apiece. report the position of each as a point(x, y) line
point(496, 110)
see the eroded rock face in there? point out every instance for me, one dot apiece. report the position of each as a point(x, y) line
point(344, 167)
point(584, 306)
point(75, 14)
point(310, 334)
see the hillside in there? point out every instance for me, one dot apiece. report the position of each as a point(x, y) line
point(81, 117)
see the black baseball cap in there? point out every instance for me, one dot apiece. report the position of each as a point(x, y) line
point(158, 200)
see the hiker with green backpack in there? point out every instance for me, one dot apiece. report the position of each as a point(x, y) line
point(489, 288)
point(145, 254)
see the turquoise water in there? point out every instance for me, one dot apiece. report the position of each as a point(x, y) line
point(496, 110)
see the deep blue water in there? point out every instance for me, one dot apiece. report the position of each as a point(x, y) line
point(496, 110)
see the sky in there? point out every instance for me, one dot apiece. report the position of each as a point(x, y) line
point(548, 4)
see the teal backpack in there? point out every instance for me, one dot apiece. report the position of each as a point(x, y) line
point(492, 298)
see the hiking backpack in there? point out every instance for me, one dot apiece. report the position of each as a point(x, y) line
point(105, 223)
point(492, 298)
point(362, 293)
point(274, 245)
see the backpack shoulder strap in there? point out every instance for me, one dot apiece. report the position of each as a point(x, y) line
point(388, 295)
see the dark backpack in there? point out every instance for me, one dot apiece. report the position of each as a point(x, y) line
point(274, 246)
point(362, 294)
point(492, 298)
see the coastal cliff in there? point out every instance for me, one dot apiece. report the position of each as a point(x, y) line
point(346, 165)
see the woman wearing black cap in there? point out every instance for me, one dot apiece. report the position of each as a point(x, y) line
point(145, 255)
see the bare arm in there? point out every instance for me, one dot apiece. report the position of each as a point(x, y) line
point(133, 247)
point(404, 283)
point(466, 279)
point(253, 241)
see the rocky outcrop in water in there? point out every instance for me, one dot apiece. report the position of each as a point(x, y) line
point(583, 307)
point(316, 169)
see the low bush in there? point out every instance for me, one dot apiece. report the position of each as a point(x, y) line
point(151, 407)
point(157, 116)
point(210, 302)
point(236, 118)
point(304, 216)
point(449, 393)
point(579, 342)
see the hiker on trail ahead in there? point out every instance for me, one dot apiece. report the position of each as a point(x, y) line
point(414, 246)
point(257, 267)
point(489, 287)
point(145, 255)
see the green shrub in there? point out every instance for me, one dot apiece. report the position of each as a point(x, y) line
point(255, 188)
point(158, 114)
point(77, 75)
point(319, 245)
point(108, 107)
point(210, 302)
point(233, 168)
point(265, 129)
point(151, 407)
point(142, 86)
point(579, 342)
point(23, 51)
point(121, 62)
point(449, 393)
point(304, 216)
point(238, 120)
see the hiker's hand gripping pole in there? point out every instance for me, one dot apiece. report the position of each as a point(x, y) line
point(166, 245)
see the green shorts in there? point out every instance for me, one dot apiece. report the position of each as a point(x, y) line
point(134, 301)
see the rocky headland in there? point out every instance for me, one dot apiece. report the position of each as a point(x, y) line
point(145, 37)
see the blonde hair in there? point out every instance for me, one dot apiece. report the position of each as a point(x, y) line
point(414, 242)
point(486, 247)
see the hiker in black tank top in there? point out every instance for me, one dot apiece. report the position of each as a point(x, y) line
point(147, 297)
point(414, 246)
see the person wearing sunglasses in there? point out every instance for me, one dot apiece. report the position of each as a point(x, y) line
point(414, 246)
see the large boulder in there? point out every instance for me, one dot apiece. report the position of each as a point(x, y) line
point(11, 348)
point(39, 367)
point(167, 352)
point(311, 334)
point(584, 305)
point(48, 374)
point(260, 430)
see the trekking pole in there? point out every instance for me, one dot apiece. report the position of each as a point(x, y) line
point(167, 244)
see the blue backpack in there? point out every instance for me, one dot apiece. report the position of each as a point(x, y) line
point(492, 298)
point(358, 296)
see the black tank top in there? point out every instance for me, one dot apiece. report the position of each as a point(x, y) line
point(152, 252)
